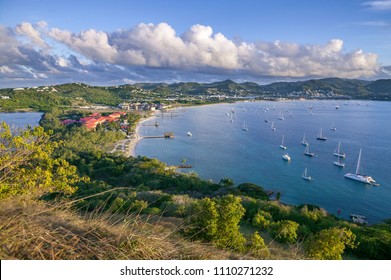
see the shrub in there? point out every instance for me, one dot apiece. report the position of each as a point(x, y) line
point(285, 231)
point(329, 244)
point(258, 247)
point(27, 164)
point(230, 211)
point(261, 219)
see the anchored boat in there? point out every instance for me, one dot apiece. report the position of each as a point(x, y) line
point(338, 152)
point(305, 176)
point(321, 136)
point(360, 177)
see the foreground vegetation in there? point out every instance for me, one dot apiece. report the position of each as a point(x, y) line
point(63, 197)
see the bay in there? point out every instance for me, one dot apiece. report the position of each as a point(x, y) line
point(21, 120)
point(219, 148)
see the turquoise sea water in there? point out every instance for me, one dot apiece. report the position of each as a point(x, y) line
point(220, 148)
point(21, 120)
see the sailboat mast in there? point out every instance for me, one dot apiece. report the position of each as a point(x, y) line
point(358, 162)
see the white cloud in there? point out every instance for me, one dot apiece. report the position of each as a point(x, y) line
point(6, 70)
point(379, 5)
point(199, 48)
point(156, 51)
point(28, 30)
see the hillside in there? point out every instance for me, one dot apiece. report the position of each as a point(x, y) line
point(324, 88)
point(77, 94)
point(37, 230)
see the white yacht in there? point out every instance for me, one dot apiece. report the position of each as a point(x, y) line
point(245, 128)
point(281, 116)
point(189, 133)
point(333, 128)
point(286, 157)
point(282, 143)
point(307, 151)
point(304, 142)
point(360, 177)
point(305, 176)
point(272, 126)
point(338, 152)
point(339, 163)
point(321, 136)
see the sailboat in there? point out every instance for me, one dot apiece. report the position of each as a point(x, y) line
point(333, 127)
point(305, 176)
point(338, 152)
point(282, 143)
point(272, 127)
point(339, 163)
point(304, 142)
point(245, 128)
point(307, 151)
point(286, 157)
point(321, 136)
point(281, 116)
point(360, 177)
point(266, 119)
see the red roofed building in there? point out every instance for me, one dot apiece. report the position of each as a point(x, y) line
point(95, 115)
point(94, 119)
point(86, 119)
point(91, 124)
point(101, 120)
point(115, 115)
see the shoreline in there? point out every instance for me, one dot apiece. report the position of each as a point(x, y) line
point(132, 142)
point(136, 137)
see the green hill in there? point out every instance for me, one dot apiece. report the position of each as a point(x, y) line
point(46, 97)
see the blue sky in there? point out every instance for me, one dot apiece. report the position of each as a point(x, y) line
point(115, 42)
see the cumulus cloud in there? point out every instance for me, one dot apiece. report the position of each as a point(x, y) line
point(198, 48)
point(157, 49)
point(30, 31)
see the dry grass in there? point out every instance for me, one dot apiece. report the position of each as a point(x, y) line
point(36, 230)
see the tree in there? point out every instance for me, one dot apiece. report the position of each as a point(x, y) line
point(203, 220)
point(217, 221)
point(226, 183)
point(230, 212)
point(258, 247)
point(27, 164)
point(285, 231)
point(261, 219)
point(329, 244)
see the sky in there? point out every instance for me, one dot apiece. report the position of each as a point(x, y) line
point(45, 42)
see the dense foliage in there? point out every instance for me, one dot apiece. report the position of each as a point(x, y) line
point(27, 165)
point(329, 244)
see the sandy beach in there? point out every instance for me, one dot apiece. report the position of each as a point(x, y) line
point(132, 142)
point(128, 146)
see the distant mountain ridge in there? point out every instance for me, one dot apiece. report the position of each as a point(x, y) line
point(79, 94)
point(356, 89)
